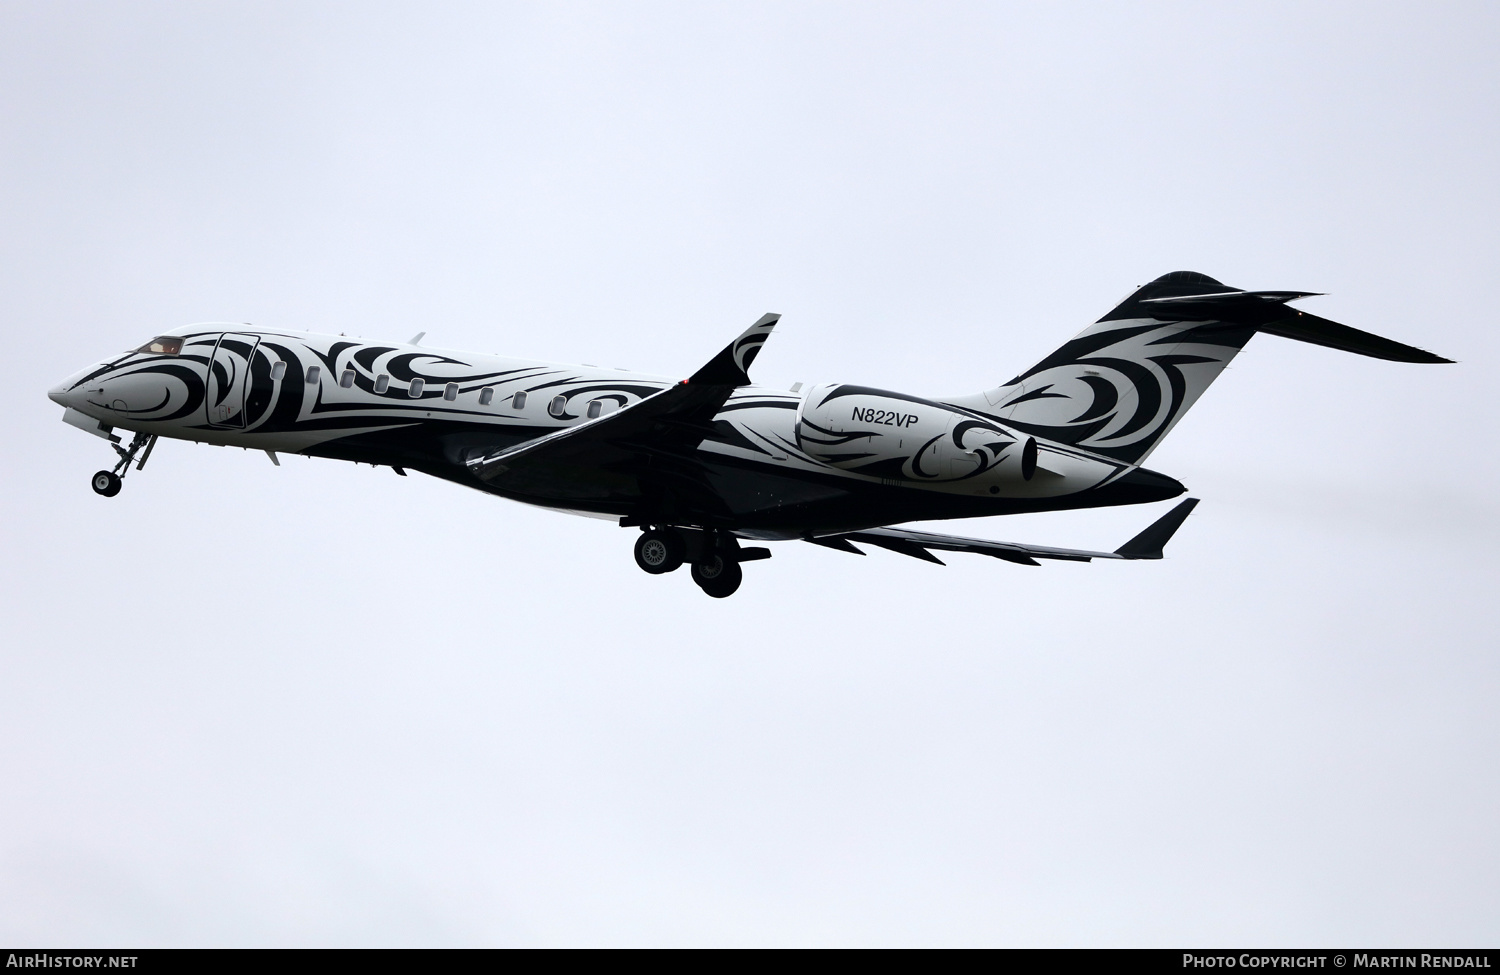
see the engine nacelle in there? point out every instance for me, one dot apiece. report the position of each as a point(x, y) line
point(907, 439)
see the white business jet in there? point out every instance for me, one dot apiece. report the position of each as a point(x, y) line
point(703, 463)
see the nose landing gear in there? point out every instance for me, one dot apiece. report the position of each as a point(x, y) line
point(108, 483)
point(715, 556)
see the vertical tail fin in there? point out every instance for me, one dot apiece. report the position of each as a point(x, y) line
point(1119, 387)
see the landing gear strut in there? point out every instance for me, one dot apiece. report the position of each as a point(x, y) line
point(108, 483)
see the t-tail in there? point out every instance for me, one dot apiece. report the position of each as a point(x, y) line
point(1120, 386)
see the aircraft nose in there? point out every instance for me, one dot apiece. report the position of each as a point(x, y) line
point(70, 392)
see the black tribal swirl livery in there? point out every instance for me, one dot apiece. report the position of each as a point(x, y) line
point(705, 461)
point(1118, 389)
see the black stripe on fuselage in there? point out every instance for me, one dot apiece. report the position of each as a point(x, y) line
point(718, 491)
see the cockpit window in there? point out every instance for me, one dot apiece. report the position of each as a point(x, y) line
point(162, 345)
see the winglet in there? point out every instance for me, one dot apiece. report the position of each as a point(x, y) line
point(731, 367)
point(1149, 543)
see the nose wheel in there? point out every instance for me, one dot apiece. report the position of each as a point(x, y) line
point(108, 483)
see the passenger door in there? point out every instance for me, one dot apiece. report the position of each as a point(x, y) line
point(228, 375)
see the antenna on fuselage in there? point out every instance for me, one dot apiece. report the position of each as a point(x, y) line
point(417, 339)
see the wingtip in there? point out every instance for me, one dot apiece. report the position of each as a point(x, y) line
point(1150, 543)
point(731, 367)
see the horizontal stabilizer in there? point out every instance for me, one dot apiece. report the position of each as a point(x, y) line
point(1266, 311)
point(1228, 300)
point(919, 545)
point(1320, 331)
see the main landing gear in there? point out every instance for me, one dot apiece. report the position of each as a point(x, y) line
point(715, 556)
point(717, 575)
point(108, 483)
point(660, 550)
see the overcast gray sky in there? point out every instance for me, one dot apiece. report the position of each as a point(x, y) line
point(323, 705)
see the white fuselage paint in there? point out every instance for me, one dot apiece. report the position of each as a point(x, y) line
point(295, 391)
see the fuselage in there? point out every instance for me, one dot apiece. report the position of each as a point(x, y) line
point(775, 463)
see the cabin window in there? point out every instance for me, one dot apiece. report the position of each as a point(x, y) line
point(558, 406)
point(486, 396)
point(382, 383)
point(450, 392)
point(347, 379)
point(162, 345)
point(518, 401)
point(594, 407)
point(313, 372)
point(415, 390)
point(278, 371)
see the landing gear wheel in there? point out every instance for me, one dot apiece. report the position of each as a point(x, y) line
point(658, 551)
point(106, 483)
point(718, 576)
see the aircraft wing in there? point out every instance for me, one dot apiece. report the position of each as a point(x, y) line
point(674, 420)
point(920, 545)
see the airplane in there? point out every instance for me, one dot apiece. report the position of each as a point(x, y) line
point(703, 463)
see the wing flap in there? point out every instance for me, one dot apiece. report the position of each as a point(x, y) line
point(895, 542)
point(836, 542)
